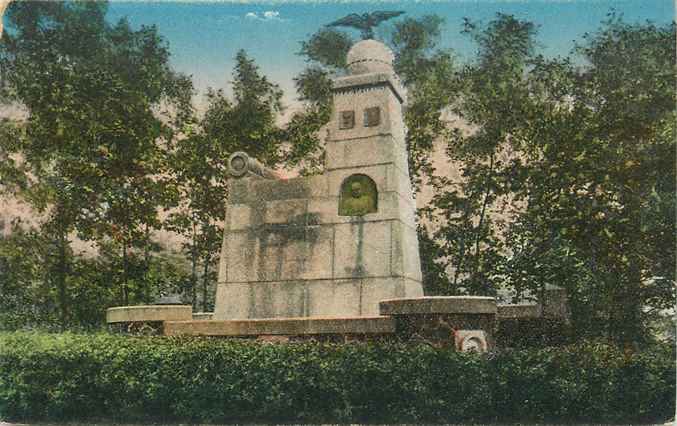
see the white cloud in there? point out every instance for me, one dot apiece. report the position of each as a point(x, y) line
point(267, 16)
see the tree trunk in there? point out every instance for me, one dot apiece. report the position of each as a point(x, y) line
point(125, 296)
point(61, 271)
point(205, 283)
point(193, 274)
point(480, 225)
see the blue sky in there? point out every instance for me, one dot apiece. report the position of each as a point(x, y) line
point(205, 35)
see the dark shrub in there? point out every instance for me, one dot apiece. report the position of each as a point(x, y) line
point(67, 376)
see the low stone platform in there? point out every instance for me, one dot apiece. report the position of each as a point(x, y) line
point(377, 325)
point(439, 305)
point(149, 313)
point(445, 320)
point(466, 322)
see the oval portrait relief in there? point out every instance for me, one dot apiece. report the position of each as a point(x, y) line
point(358, 197)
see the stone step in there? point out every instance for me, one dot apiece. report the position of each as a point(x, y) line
point(283, 326)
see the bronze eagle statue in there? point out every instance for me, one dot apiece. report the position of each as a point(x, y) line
point(365, 22)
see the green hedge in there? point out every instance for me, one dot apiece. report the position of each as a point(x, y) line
point(71, 377)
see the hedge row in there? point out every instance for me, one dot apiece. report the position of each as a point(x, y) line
point(76, 377)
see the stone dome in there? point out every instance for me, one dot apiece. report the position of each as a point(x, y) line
point(368, 56)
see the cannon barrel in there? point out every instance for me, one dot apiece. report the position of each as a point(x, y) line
point(242, 165)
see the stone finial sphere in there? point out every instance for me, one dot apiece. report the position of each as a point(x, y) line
point(370, 56)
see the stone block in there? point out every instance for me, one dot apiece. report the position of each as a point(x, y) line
point(260, 300)
point(238, 217)
point(334, 298)
point(399, 181)
point(287, 212)
point(317, 185)
point(376, 289)
point(291, 253)
point(405, 259)
point(361, 249)
point(284, 299)
point(238, 191)
point(278, 189)
point(439, 305)
point(149, 313)
point(358, 101)
point(237, 256)
point(203, 315)
point(282, 326)
point(365, 152)
point(325, 209)
point(393, 207)
point(233, 300)
point(317, 258)
point(412, 288)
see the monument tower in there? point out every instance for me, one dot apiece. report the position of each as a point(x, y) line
point(336, 244)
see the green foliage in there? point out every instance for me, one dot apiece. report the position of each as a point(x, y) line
point(98, 99)
point(70, 376)
point(328, 47)
point(29, 297)
point(199, 170)
point(567, 173)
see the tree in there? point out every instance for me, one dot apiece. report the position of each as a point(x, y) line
point(599, 142)
point(574, 163)
point(92, 140)
point(199, 162)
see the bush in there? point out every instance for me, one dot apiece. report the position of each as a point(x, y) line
point(70, 377)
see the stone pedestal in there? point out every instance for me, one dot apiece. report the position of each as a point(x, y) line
point(336, 244)
point(462, 321)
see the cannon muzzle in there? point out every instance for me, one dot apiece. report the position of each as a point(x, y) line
point(242, 165)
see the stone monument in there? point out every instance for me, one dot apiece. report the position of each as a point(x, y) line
point(336, 244)
point(333, 256)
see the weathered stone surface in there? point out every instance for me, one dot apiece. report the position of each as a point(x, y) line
point(404, 262)
point(282, 326)
point(312, 246)
point(376, 289)
point(439, 304)
point(149, 313)
point(233, 300)
point(362, 249)
point(369, 56)
point(334, 298)
point(370, 151)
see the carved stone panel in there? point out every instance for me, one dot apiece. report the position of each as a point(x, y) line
point(358, 197)
point(372, 117)
point(346, 120)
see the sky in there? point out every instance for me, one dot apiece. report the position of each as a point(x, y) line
point(204, 36)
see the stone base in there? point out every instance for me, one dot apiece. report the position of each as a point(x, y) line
point(353, 326)
point(443, 320)
point(466, 323)
point(149, 313)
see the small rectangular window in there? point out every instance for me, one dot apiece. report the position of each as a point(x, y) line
point(347, 120)
point(372, 117)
